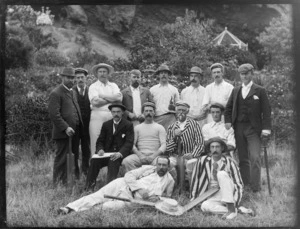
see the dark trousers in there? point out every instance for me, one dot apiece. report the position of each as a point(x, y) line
point(99, 163)
point(84, 139)
point(60, 160)
point(249, 147)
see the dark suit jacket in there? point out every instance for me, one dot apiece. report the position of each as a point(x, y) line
point(128, 101)
point(259, 111)
point(60, 111)
point(123, 138)
point(87, 116)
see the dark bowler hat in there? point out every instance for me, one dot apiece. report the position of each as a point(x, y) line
point(216, 139)
point(68, 71)
point(182, 103)
point(216, 65)
point(109, 68)
point(117, 104)
point(81, 70)
point(197, 70)
point(217, 105)
point(163, 67)
point(244, 68)
point(149, 104)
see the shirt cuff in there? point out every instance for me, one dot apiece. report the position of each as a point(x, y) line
point(267, 132)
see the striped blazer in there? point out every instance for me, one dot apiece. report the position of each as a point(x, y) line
point(191, 138)
point(202, 174)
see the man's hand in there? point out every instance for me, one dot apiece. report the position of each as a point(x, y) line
point(116, 156)
point(143, 193)
point(101, 152)
point(177, 132)
point(141, 118)
point(153, 198)
point(144, 159)
point(188, 156)
point(230, 148)
point(227, 126)
point(69, 131)
point(131, 115)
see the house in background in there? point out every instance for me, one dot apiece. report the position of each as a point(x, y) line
point(227, 38)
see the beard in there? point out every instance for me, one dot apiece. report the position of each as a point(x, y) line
point(135, 84)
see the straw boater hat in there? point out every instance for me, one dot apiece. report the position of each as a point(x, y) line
point(163, 67)
point(170, 207)
point(244, 68)
point(109, 68)
point(81, 70)
point(68, 71)
point(117, 104)
point(216, 139)
point(197, 70)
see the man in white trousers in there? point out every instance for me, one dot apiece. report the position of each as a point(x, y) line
point(148, 183)
point(217, 170)
point(101, 94)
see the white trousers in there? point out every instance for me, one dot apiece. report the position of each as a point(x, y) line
point(189, 165)
point(97, 119)
point(217, 203)
point(117, 187)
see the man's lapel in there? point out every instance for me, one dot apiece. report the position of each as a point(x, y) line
point(120, 126)
point(252, 90)
point(128, 91)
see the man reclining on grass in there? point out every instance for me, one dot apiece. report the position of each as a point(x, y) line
point(148, 183)
point(217, 170)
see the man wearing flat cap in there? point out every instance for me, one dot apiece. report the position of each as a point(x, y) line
point(194, 94)
point(218, 91)
point(116, 136)
point(101, 94)
point(149, 141)
point(134, 96)
point(165, 96)
point(66, 118)
point(248, 112)
point(217, 128)
point(188, 131)
point(81, 92)
point(217, 170)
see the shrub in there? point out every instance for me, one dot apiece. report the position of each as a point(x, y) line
point(51, 57)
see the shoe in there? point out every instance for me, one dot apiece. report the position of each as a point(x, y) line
point(64, 210)
point(247, 211)
point(230, 215)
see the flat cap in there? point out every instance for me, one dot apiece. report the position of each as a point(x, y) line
point(217, 105)
point(197, 70)
point(149, 104)
point(244, 68)
point(182, 103)
point(81, 70)
point(135, 72)
point(216, 65)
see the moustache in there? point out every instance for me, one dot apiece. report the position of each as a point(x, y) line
point(215, 152)
point(149, 115)
point(193, 81)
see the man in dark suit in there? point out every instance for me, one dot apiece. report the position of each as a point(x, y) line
point(248, 111)
point(81, 91)
point(116, 136)
point(134, 96)
point(65, 115)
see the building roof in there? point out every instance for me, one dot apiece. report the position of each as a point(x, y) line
point(227, 38)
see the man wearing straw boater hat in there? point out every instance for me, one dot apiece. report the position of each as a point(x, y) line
point(217, 170)
point(216, 92)
point(194, 94)
point(165, 96)
point(101, 94)
point(65, 115)
point(146, 183)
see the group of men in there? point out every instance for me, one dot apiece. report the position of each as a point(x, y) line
point(144, 128)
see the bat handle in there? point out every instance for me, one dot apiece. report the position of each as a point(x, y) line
point(117, 198)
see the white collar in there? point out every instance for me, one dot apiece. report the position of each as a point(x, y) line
point(248, 85)
point(166, 85)
point(219, 83)
point(107, 83)
point(83, 88)
point(117, 122)
point(69, 89)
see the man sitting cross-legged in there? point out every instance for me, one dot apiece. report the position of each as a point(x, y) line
point(149, 141)
point(217, 170)
point(148, 183)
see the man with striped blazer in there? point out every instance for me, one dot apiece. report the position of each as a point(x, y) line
point(217, 170)
point(190, 135)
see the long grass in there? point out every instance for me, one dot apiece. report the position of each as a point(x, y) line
point(32, 201)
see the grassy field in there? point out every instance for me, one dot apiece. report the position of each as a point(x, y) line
point(33, 202)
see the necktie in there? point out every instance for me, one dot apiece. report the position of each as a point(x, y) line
point(215, 170)
point(81, 91)
point(115, 126)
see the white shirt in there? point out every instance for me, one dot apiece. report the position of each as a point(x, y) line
point(214, 182)
point(99, 87)
point(116, 124)
point(246, 89)
point(217, 129)
point(182, 125)
point(217, 93)
point(80, 89)
point(136, 98)
point(162, 94)
point(194, 97)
